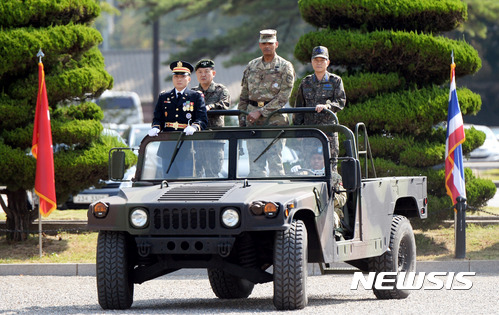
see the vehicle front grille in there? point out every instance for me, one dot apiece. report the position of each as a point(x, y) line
point(195, 193)
point(184, 219)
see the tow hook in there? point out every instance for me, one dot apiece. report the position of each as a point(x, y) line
point(144, 248)
point(224, 249)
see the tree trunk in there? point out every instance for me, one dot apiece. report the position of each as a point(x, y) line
point(19, 215)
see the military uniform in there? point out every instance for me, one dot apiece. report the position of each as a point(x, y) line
point(176, 111)
point(215, 97)
point(266, 87)
point(173, 113)
point(329, 91)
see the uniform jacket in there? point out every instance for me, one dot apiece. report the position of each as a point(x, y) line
point(312, 92)
point(170, 109)
point(216, 97)
point(271, 83)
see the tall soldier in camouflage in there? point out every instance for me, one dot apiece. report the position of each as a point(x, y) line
point(320, 90)
point(216, 96)
point(266, 86)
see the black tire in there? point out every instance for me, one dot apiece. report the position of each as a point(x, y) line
point(114, 285)
point(400, 258)
point(227, 286)
point(290, 267)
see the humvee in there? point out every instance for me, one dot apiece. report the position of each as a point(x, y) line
point(249, 227)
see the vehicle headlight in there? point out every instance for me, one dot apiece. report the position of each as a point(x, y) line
point(138, 218)
point(230, 218)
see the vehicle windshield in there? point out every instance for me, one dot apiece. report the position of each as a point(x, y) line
point(277, 155)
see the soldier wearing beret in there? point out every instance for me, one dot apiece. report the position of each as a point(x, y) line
point(320, 90)
point(266, 86)
point(179, 109)
point(216, 96)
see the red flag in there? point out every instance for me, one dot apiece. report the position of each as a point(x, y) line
point(42, 149)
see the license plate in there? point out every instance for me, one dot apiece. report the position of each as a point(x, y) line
point(88, 198)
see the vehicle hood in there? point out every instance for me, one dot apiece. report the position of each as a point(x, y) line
point(235, 192)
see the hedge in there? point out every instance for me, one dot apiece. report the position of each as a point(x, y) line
point(419, 58)
point(79, 79)
point(361, 86)
point(421, 15)
point(414, 152)
point(409, 111)
point(43, 13)
point(58, 43)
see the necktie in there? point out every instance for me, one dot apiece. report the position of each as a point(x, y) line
point(179, 95)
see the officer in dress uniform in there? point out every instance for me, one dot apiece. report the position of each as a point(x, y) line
point(180, 109)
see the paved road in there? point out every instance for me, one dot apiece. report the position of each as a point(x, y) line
point(192, 295)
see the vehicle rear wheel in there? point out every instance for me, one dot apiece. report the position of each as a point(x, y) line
point(227, 286)
point(290, 267)
point(401, 257)
point(114, 285)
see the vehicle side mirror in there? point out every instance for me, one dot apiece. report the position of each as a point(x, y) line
point(117, 165)
point(350, 173)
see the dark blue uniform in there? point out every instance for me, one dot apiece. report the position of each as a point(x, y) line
point(172, 113)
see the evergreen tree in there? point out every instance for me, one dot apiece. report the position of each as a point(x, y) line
point(396, 80)
point(74, 68)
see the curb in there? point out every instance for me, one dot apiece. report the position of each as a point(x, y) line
point(89, 270)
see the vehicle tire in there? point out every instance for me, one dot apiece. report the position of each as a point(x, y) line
point(290, 267)
point(401, 257)
point(114, 285)
point(227, 286)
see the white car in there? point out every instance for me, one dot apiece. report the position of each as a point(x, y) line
point(489, 151)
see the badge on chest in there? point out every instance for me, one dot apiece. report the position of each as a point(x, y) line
point(188, 106)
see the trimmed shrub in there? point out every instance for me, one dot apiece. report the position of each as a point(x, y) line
point(420, 59)
point(423, 15)
point(43, 13)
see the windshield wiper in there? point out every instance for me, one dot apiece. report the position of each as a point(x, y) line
point(177, 148)
point(270, 144)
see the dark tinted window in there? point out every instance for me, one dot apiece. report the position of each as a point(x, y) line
point(118, 102)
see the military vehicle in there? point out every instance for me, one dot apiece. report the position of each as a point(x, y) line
point(247, 225)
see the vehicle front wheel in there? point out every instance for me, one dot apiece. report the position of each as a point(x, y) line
point(290, 267)
point(401, 257)
point(114, 285)
point(227, 286)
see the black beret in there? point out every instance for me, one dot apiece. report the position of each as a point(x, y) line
point(205, 63)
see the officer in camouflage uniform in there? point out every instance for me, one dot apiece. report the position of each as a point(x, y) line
point(266, 87)
point(209, 154)
point(320, 90)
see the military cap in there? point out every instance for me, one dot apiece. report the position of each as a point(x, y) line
point(268, 36)
point(181, 67)
point(320, 51)
point(205, 63)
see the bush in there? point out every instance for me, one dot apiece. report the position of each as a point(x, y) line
point(423, 15)
point(419, 58)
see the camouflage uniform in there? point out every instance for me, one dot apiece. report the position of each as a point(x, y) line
point(216, 97)
point(313, 92)
point(266, 87)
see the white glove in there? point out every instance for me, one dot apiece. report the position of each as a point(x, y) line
point(189, 130)
point(295, 168)
point(153, 132)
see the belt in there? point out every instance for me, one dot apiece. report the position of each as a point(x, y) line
point(175, 125)
point(259, 104)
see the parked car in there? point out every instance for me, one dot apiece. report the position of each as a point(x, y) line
point(135, 133)
point(104, 188)
point(121, 107)
point(489, 151)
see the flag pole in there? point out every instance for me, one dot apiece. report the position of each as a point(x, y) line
point(40, 54)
